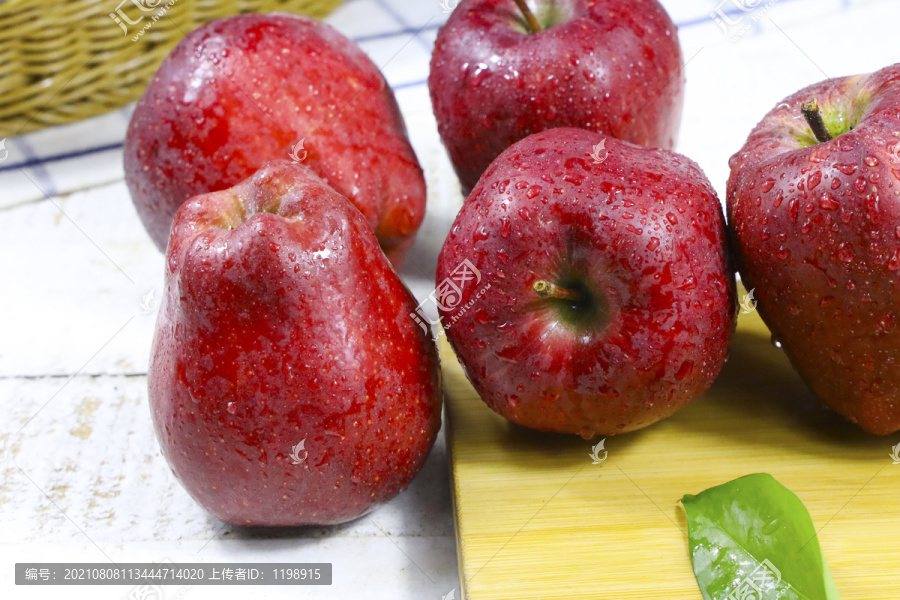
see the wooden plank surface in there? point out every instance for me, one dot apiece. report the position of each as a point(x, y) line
point(536, 519)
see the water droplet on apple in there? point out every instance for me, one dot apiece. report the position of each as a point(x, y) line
point(779, 198)
point(653, 244)
point(767, 185)
point(686, 368)
point(586, 434)
point(504, 228)
point(479, 74)
point(845, 253)
point(508, 354)
point(827, 202)
point(775, 342)
point(814, 180)
point(846, 169)
point(894, 263)
point(871, 161)
point(532, 192)
point(231, 408)
point(793, 309)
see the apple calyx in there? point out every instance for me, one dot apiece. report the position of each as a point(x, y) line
point(574, 303)
point(813, 116)
point(532, 21)
point(545, 289)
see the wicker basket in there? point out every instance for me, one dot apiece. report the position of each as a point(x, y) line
point(65, 61)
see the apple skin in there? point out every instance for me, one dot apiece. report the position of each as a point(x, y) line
point(643, 231)
point(243, 90)
point(612, 66)
point(282, 322)
point(817, 229)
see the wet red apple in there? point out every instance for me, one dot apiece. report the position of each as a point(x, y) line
point(604, 300)
point(504, 69)
point(288, 384)
point(241, 91)
point(814, 202)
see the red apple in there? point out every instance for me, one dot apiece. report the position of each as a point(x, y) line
point(612, 66)
point(604, 300)
point(241, 91)
point(288, 384)
point(815, 209)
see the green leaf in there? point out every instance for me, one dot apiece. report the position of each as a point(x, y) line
point(753, 538)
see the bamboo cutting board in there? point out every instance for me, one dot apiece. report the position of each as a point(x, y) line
point(536, 519)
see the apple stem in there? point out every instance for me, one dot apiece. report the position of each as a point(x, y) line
point(813, 116)
point(545, 289)
point(529, 16)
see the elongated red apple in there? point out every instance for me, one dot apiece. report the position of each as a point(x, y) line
point(244, 90)
point(604, 300)
point(612, 66)
point(814, 205)
point(288, 384)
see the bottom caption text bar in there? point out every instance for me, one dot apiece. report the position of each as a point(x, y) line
point(169, 573)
